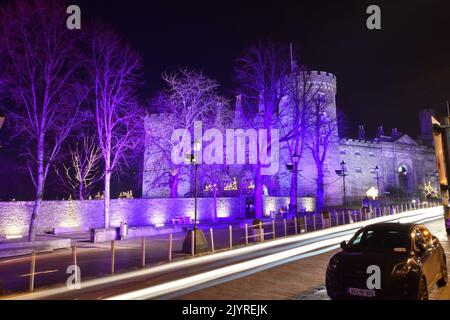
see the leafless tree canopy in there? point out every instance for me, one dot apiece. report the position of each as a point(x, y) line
point(39, 69)
point(115, 70)
point(82, 171)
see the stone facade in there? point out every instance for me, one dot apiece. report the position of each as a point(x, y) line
point(403, 163)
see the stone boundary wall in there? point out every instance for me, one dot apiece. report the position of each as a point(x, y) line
point(15, 215)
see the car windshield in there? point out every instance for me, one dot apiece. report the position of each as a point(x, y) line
point(383, 240)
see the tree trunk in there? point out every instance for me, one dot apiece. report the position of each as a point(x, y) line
point(80, 194)
point(36, 210)
point(107, 191)
point(174, 185)
point(39, 190)
point(320, 193)
point(258, 193)
point(215, 203)
point(292, 195)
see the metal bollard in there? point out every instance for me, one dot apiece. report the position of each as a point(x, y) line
point(193, 243)
point(314, 221)
point(170, 246)
point(273, 229)
point(231, 237)
point(113, 253)
point(143, 252)
point(74, 261)
point(285, 227)
point(305, 223)
point(246, 234)
point(211, 233)
point(295, 225)
point(32, 270)
point(261, 230)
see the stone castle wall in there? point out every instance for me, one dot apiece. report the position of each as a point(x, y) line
point(15, 216)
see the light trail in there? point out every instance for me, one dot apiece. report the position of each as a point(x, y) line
point(222, 256)
point(241, 268)
point(176, 285)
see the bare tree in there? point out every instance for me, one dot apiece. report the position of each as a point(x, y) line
point(293, 118)
point(82, 172)
point(39, 77)
point(114, 69)
point(261, 75)
point(189, 97)
point(322, 132)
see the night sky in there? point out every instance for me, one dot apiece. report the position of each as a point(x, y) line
point(384, 76)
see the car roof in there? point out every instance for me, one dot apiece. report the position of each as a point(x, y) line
point(401, 227)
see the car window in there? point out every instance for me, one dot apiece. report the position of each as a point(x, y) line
point(380, 240)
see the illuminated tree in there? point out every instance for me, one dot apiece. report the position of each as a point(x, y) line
point(322, 126)
point(299, 94)
point(80, 175)
point(189, 97)
point(115, 69)
point(40, 65)
point(261, 75)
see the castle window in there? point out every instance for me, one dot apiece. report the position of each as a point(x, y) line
point(357, 153)
point(326, 167)
point(371, 154)
point(342, 152)
point(358, 170)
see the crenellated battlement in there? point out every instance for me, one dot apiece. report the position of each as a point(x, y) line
point(359, 142)
point(325, 80)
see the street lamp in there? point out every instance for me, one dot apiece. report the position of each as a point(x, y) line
point(295, 159)
point(294, 168)
point(199, 241)
point(196, 146)
point(377, 169)
point(342, 174)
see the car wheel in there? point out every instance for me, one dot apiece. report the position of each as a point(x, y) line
point(422, 290)
point(444, 279)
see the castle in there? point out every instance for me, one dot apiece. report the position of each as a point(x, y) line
point(395, 164)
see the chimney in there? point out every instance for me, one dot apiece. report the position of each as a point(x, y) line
point(395, 133)
point(361, 133)
point(380, 131)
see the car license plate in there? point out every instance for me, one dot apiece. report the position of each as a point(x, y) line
point(361, 292)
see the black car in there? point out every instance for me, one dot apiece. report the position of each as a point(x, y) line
point(387, 261)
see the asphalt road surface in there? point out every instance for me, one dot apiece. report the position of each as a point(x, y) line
point(289, 268)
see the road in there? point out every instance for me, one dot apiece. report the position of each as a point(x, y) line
point(300, 280)
point(292, 267)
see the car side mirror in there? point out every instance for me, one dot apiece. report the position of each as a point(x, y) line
point(344, 245)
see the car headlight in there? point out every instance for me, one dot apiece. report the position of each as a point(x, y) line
point(333, 264)
point(401, 270)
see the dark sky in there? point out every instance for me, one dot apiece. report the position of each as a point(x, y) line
point(384, 76)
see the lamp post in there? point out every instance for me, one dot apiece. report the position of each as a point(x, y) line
point(202, 245)
point(342, 174)
point(377, 169)
point(196, 147)
point(296, 158)
point(294, 168)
